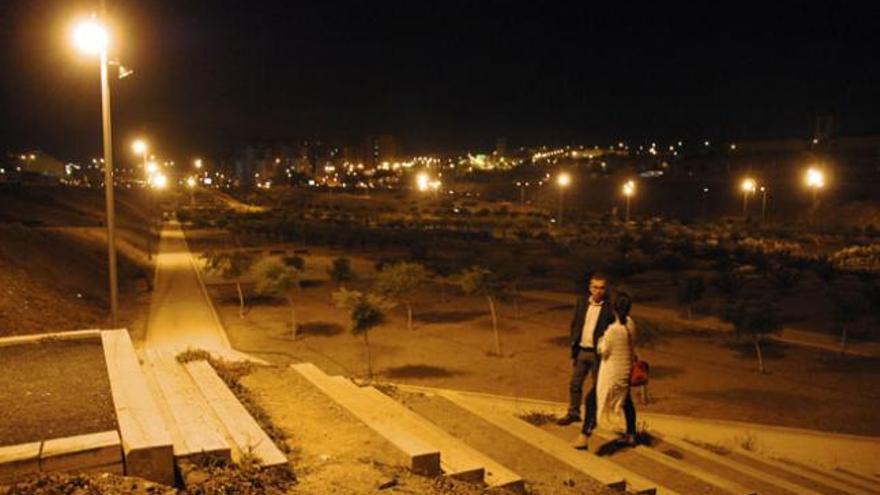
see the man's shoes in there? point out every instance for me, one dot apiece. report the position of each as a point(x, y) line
point(582, 442)
point(567, 420)
point(629, 440)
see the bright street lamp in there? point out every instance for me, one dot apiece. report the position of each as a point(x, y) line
point(629, 189)
point(422, 181)
point(748, 186)
point(159, 181)
point(92, 38)
point(563, 180)
point(198, 163)
point(815, 180)
point(140, 147)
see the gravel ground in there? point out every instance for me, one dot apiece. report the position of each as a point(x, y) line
point(54, 389)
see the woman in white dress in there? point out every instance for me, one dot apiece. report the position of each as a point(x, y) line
point(612, 384)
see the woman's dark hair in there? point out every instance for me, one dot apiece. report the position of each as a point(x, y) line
point(622, 305)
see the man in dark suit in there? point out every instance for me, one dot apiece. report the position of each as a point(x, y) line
point(592, 315)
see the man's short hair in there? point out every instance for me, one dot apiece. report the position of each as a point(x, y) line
point(599, 276)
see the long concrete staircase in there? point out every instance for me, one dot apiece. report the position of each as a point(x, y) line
point(428, 442)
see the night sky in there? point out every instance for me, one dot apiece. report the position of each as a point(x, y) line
point(214, 75)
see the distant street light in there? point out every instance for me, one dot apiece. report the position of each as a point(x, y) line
point(422, 181)
point(629, 189)
point(815, 180)
point(92, 38)
point(159, 181)
point(198, 163)
point(191, 185)
point(563, 180)
point(748, 186)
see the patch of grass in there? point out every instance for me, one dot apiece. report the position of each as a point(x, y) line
point(537, 418)
point(748, 442)
point(231, 374)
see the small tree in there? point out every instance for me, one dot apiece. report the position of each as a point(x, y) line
point(400, 282)
point(231, 266)
point(276, 279)
point(482, 282)
point(365, 311)
point(754, 319)
point(691, 290)
point(340, 271)
point(848, 309)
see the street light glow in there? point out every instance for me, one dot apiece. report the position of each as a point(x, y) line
point(629, 188)
point(198, 163)
point(152, 168)
point(815, 179)
point(159, 181)
point(91, 37)
point(422, 181)
point(139, 146)
point(563, 179)
point(749, 185)
point(191, 182)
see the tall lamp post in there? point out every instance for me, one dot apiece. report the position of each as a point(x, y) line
point(92, 38)
point(563, 180)
point(748, 186)
point(763, 204)
point(629, 189)
point(139, 146)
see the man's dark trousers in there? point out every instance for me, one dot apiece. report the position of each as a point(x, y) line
point(586, 363)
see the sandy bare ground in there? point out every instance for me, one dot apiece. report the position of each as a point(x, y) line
point(699, 374)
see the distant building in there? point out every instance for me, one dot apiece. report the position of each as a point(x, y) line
point(38, 165)
point(382, 148)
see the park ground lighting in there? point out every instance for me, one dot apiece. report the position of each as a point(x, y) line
point(748, 186)
point(629, 190)
point(92, 38)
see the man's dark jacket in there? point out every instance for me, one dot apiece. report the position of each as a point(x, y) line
point(606, 317)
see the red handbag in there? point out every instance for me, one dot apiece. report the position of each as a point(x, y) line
point(638, 375)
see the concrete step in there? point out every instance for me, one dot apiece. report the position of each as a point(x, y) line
point(780, 484)
point(419, 456)
point(195, 432)
point(803, 475)
point(146, 441)
point(242, 431)
point(457, 459)
point(706, 476)
point(602, 470)
point(852, 477)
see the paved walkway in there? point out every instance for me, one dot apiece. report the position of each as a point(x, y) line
point(802, 338)
point(181, 313)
